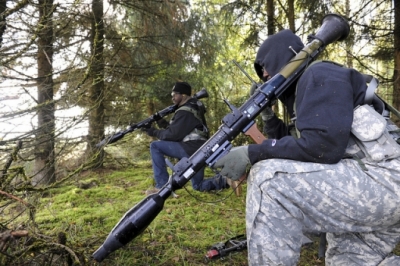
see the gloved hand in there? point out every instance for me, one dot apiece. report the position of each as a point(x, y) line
point(149, 130)
point(267, 113)
point(234, 163)
point(162, 123)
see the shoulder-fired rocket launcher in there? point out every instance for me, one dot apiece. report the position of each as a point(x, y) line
point(135, 221)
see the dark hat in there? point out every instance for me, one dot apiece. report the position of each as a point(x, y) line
point(182, 88)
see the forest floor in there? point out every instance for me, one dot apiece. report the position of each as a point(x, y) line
point(88, 208)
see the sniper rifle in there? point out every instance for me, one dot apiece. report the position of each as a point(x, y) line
point(148, 121)
point(135, 221)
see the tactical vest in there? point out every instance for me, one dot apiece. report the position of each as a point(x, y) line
point(196, 134)
point(374, 137)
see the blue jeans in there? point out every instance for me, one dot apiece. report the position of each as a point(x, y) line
point(161, 148)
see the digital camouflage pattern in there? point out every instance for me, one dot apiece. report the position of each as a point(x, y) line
point(369, 129)
point(359, 210)
point(367, 124)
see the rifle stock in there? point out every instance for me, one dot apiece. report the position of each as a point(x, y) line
point(135, 221)
point(148, 121)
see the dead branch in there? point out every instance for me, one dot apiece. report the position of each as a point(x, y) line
point(12, 158)
point(30, 206)
point(70, 251)
point(7, 235)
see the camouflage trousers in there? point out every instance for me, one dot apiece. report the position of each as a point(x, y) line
point(359, 210)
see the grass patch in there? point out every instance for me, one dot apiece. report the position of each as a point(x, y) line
point(88, 208)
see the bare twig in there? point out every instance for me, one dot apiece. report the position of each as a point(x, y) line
point(70, 251)
point(12, 157)
point(27, 204)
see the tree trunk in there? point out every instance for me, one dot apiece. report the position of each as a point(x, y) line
point(44, 150)
point(396, 76)
point(3, 6)
point(270, 17)
point(96, 97)
point(349, 39)
point(271, 31)
point(291, 15)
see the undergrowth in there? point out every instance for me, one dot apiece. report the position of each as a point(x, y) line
point(88, 208)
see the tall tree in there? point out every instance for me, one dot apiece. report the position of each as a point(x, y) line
point(96, 91)
point(3, 6)
point(155, 44)
point(271, 17)
point(291, 15)
point(350, 38)
point(396, 74)
point(45, 142)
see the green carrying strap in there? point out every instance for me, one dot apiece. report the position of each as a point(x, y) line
point(196, 114)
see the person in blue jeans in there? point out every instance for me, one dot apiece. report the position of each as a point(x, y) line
point(181, 137)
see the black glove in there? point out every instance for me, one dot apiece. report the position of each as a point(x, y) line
point(234, 164)
point(162, 123)
point(150, 131)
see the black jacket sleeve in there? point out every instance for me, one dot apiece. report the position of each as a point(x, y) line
point(275, 128)
point(326, 97)
point(182, 124)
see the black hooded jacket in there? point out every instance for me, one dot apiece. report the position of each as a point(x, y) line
point(273, 55)
point(326, 95)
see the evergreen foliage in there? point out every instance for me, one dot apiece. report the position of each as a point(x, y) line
point(72, 74)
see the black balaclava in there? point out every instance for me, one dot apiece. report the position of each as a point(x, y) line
point(274, 53)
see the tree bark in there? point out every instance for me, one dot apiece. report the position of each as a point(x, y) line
point(290, 15)
point(396, 75)
point(96, 97)
point(270, 17)
point(349, 40)
point(3, 24)
point(45, 143)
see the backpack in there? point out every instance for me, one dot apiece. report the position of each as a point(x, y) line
point(374, 137)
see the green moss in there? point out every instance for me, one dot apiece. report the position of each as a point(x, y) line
point(89, 207)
